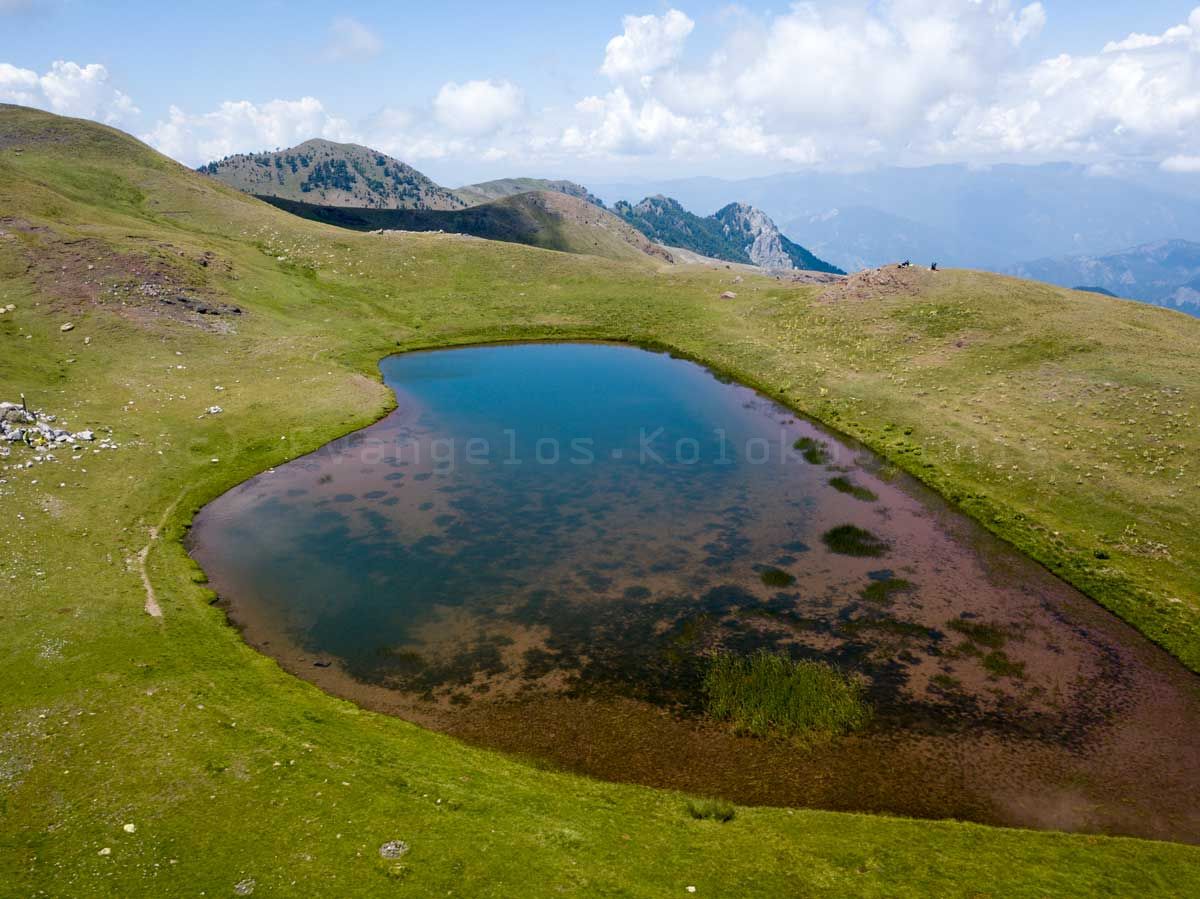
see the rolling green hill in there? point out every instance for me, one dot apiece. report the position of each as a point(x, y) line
point(552, 221)
point(322, 171)
point(473, 194)
point(1063, 421)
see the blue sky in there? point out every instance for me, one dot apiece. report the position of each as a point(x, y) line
point(468, 90)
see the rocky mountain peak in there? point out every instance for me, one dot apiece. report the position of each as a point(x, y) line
point(759, 235)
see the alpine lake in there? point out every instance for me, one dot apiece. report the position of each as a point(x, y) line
point(545, 548)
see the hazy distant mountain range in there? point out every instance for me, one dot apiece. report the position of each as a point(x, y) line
point(1166, 273)
point(1066, 218)
point(991, 218)
point(356, 187)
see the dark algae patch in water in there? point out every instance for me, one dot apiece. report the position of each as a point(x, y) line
point(851, 540)
point(610, 560)
point(845, 485)
point(777, 577)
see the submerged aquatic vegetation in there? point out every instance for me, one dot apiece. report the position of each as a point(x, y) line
point(815, 452)
point(990, 635)
point(998, 664)
point(768, 694)
point(777, 577)
point(851, 540)
point(882, 592)
point(843, 484)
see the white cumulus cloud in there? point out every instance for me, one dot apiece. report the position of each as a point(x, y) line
point(68, 89)
point(241, 126)
point(901, 81)
point(647, 44)
point(477, 107)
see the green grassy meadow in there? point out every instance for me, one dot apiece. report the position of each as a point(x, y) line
point(1064, 422)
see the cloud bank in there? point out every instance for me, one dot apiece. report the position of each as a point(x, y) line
point(904, 81)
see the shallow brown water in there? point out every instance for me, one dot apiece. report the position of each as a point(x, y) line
point(560, 599)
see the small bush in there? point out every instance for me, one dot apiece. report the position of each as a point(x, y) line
point(777, 577)
point(767, 694)
point(845, 485)
point(815, 452)
point(850, 540)
point(711, 810)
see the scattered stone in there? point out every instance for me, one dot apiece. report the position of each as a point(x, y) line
point(321, 663)
point(729, 295)
point(244, 887)
point(87, 341)
point(393, 849)
point(130, 828)
point(105, 851)
point(69, 326)
point(35, 428)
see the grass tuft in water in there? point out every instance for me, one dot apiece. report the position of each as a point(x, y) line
point(882, 592)
point(767, 694)
point(777, 577)
point(851, 540)
point(998, 664)
point(845, 485)
point(711, 810)
point(815, 452)
point(990, 635)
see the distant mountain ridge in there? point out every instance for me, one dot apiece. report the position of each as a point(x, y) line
point(547, 219)
point(473, 194)
point(991, 217)
point(735, 233)
point(1166, 273)
point(324, 172)
point(357, 187)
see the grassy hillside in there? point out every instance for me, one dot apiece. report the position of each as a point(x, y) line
point(322, 171)
point(1064, 421)
point(473, 194)
point(543, 219)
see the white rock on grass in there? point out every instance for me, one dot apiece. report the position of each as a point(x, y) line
point(393, 849)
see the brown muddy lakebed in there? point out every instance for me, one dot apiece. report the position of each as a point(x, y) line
point(541, 549)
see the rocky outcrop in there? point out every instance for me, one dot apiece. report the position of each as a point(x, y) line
point(754, 231)
point(41, 432)
point(737, 233)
